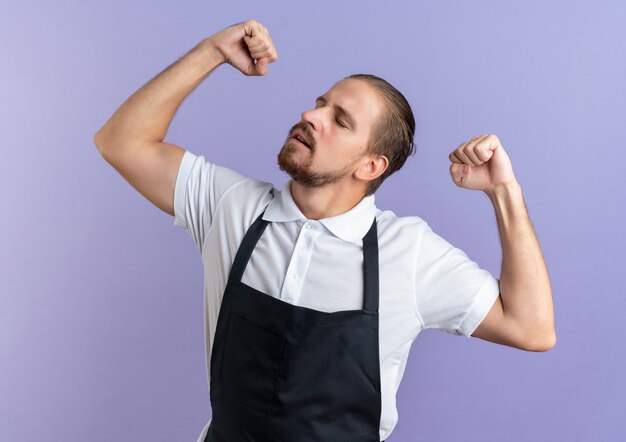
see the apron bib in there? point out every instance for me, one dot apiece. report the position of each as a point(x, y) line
point(286, 373)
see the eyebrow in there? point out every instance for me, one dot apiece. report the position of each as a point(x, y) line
point(340, 111)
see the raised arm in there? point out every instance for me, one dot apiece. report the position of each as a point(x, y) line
point(523, 314)
point(132, 139)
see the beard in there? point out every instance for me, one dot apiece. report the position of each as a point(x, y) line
point(301, 170)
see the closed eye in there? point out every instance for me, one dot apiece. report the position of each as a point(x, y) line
point(340, 123)
point(321, 101)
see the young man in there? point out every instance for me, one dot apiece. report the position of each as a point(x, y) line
point(313, 295)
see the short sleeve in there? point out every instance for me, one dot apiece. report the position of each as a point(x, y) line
point(452, 292)
point(199, 187)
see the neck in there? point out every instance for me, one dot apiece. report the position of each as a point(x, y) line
point(323, 202)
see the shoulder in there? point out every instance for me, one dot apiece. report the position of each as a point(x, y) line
point(248, 196)
point(389, 225)
point(400, 238)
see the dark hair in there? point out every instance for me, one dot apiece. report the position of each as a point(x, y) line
point(393, 135)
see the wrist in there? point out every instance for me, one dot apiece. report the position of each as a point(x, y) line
point(508, 202)
point(211, 50)
point(503, 190)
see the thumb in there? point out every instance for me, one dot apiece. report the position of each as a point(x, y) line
point(456, 170)
point(261, 66)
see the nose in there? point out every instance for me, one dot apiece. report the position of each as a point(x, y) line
point(312, 117)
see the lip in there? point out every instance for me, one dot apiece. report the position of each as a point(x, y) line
point(303, 136)
point(300, 142)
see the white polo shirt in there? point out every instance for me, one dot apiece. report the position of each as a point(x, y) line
point(425, 282)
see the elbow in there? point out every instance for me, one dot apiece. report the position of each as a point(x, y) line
point(103, 143)
point(547, 342)
point(99, 142)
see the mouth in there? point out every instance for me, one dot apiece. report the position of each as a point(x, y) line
point(298, 137)
point(300, 142)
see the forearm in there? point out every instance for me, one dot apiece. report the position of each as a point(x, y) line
point(146, 115)
point(524, 281)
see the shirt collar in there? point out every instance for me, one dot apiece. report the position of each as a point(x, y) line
point(350, 226)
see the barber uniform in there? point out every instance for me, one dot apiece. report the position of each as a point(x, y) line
point(286, 373)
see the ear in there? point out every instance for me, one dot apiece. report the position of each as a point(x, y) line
point(372, 167)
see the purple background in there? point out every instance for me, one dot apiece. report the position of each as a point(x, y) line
point(101, 334)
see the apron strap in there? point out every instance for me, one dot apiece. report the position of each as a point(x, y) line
point(370, 269)
point(247, 246)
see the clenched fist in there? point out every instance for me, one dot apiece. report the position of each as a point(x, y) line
point(247, 46)
point(481, 164)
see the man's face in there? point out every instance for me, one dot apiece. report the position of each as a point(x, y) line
point(334, 134)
